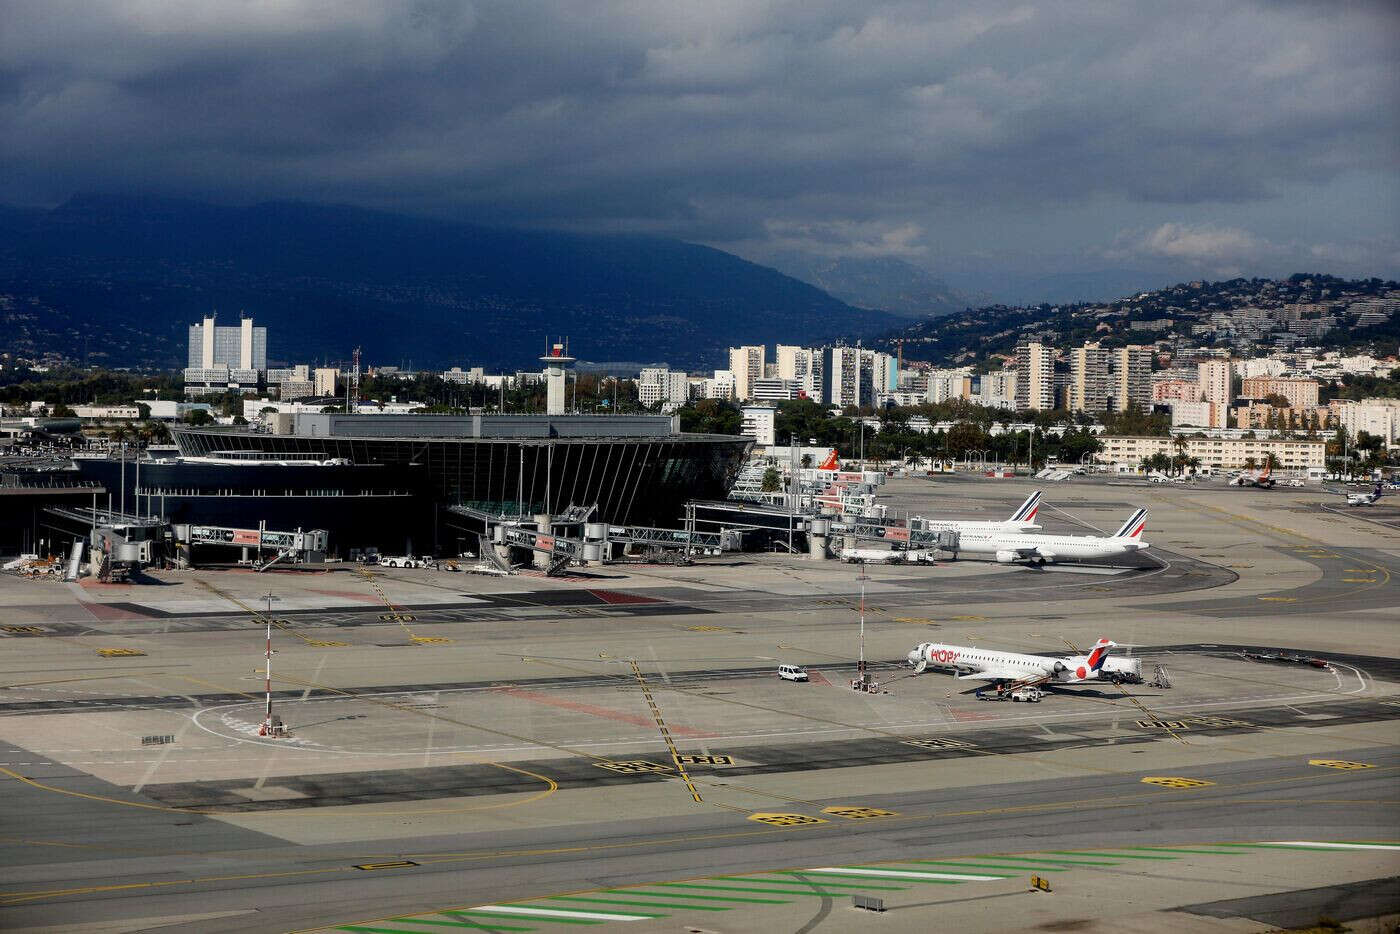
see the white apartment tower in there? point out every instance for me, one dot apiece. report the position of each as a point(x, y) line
point(746, 363)
point(1035, 377)
point(1089, 378)
point(1215, 378)
point(1131, 373)
point(802, 365)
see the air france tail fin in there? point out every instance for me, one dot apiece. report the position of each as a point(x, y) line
point(1026, 514)
point(1134, 526)
point(1098, 653)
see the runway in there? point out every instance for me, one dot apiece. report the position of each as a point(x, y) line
point(527, 746)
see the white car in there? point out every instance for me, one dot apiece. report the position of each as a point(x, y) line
point(792, 672)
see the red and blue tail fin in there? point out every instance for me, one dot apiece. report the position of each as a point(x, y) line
point(1134, 526)
point(1094, 661)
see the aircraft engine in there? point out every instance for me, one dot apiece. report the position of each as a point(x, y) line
point(1006, 557)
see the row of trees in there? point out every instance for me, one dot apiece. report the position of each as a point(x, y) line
point(806, 423)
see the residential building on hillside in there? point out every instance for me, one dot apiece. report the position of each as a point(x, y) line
point(1175, 390)
point(1300, 393)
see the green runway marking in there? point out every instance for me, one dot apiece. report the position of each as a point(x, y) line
point(632, 901)
point(715, 898)
point(1111, 855)
point(821, 882)
point(462, 924)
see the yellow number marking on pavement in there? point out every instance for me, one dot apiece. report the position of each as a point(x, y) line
point(431, 640)
point(1176, 781)
point(120, 653)
point(1340, 764)
point(633, 766)
point(786, 820)
point(859, 813)
point(395, 864)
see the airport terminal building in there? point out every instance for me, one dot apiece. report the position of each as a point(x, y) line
point(373, 480)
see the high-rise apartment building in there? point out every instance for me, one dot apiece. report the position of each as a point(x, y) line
point(1035, 377)
point(746, 363)
point(844, 381)
point(802, 365)
point(1131, 377)
point(1089, 383)
point(1215, 378)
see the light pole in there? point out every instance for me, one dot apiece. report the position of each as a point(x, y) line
point(270, 727)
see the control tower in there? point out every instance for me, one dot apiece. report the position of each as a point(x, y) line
point(555, 362)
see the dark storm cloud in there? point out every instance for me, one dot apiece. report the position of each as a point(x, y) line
point(842, 126)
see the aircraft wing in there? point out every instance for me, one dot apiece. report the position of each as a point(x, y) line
point(1002, 674)
point(1030, 552)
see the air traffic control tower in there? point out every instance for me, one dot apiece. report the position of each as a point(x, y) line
point(555, 379)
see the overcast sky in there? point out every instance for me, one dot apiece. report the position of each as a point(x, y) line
point(977, 140)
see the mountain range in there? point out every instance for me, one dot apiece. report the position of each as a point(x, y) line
point(117, 281)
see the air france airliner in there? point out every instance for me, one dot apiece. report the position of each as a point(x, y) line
point(1021, 520)
point(1010, 546)
point(972, 663)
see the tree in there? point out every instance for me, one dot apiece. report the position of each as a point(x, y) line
point(199, 417)
point(772, 480)
point(964, 437)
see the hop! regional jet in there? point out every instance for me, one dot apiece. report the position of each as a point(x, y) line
point(972, 663)
point(1010, 546)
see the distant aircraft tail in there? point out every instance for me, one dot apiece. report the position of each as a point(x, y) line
point(1026, 514)
point(1134, 526)
point(832, 462)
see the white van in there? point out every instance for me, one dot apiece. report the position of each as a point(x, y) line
point(792, 672)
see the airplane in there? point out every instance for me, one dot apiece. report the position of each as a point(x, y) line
point(1021, 520)
point(1360, 499)
point(832, 462)
point(1014, 667)
point(1010, 546)
point(1262, 479)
